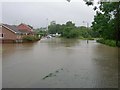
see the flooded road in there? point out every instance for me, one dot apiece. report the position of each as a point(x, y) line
point(60, 63)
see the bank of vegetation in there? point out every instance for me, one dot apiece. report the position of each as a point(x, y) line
point(106, 26)
point(69, 30)
point(31, 38)
point(107, 22)
point(107, 42)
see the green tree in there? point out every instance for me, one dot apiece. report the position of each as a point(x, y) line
point(69, 30)
point(107, 20)
point(41, 32)
point(56, 28)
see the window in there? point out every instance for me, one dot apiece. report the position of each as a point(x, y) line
point(1, 35)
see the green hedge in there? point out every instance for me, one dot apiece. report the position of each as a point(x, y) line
point(107, 42)
point(31, 38)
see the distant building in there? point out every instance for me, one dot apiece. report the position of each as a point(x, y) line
point(24, 27)
point(13, 33)
point(52, 22)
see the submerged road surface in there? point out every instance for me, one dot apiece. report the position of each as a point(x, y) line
point(59, 63)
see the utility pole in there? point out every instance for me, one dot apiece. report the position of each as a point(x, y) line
point(47, 25)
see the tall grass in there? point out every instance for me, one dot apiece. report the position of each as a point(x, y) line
point(107, 42)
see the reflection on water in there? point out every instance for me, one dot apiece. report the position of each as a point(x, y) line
point(61, 42)
point(60, 63)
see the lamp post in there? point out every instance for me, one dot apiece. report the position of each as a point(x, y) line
point(47, 24)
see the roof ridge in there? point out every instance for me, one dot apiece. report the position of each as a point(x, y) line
point(12, 28)
point(25, 25)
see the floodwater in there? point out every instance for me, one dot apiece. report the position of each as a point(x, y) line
point(59, 63)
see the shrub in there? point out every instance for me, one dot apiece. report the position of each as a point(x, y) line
point(30, 38)
point(107, 42)
point(80, 37)
point(90, 38)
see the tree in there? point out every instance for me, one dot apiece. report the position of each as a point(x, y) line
point(104, 26)
point(69, 30)
point(107, 19)
point(41, 32)
point(53, 29)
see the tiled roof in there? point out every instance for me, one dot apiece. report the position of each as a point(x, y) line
point(23, 31)
point(24, 27)
point(13, 28)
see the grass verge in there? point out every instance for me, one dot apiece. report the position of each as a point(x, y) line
point(107, 42)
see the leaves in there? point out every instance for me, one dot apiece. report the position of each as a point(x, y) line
point(104, 21)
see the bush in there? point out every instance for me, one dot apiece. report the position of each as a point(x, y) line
point(30, 38)
point(70, 33)
point(90, 38)
point(107, 42)
point(80, 37)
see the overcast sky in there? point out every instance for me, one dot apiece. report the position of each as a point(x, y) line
point(39, 14)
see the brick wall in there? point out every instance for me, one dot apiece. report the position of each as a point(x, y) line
point(8, 35)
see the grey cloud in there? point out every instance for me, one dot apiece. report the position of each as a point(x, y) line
point(36, 13)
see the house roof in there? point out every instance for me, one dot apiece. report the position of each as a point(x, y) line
point(24, 27)
point(23, 31)
point(13, 28)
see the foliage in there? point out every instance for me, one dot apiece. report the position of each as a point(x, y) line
point(70, 33)
point(30, 38)
point(107, 21)
point(86, 32)
point(104, 26)
point(56, 28)
point(69, 30)
point(41, 32)
point(107, 42)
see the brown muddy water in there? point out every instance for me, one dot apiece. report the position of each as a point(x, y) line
point(59, 63)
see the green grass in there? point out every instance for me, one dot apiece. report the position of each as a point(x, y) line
point(107, 42)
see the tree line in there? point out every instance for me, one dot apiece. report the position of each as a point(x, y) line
point(107, 20)
point(106, 25)
point(69, 30)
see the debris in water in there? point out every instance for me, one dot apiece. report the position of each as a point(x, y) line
point(49, 75)
point(61, 68)
point(57, 71)
point(45, 77)
point(52, 74)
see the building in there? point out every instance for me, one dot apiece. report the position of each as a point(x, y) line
point(52, 22)
point(25, 28)
point(13, 33)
